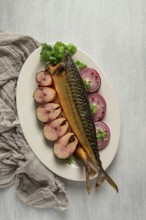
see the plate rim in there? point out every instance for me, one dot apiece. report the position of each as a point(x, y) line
point(113, 92)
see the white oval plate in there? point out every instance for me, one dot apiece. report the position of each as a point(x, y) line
point(33, 130)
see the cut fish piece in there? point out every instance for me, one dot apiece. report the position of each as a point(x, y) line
point(43, 78)
point(44, 95)
point(65, 146)
point(56, 129)
point(48, 112)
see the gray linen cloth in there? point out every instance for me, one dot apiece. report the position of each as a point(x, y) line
point(34, 183)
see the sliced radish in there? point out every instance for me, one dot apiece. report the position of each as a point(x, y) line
point(91, 79)
point(43, 78)
point(65, 146)
point(56, 129)
point(102, 134)
point(44, 94)
point(97, 105)
point(48, 112)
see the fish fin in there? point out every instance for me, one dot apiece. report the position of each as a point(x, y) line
point(102, 175)
point(88, 186)
point(93, 167)
point(90, 172)
point(87, 161)
point(56, 69)
point(100, 178)
point(111, 182)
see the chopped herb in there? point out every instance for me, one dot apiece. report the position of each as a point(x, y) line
point(86, 84)
point(80, 65)
point(101, 135)
point(55, 54)
point(93, 108)
point(72, 49)
point(69, 160)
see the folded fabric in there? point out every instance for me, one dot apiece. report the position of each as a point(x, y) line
point(34, 183)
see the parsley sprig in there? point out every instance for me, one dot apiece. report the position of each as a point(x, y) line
point(80, 65)
point(93, 108)
point(101, 135)
point(86, 84)
point(69, 160)
point(55, 54)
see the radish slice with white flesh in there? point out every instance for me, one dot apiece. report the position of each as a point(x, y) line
point(56, 129)
point(43, 78)
point(91, 79)
point(43, 95)
point(102, 134)
point(65, 146)
point(48, 112)
point(97, 105)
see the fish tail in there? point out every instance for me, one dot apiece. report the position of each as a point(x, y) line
point(90, 172)
point(111, 182)
point(102, 175)
point(88, 185)
point(90, 167)
point(87, 161)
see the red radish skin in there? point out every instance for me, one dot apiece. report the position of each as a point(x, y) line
point(98, 101)
point(91, 78)
point(56, 129)
point(48, 112)
point(65, 146)
point(43, 78)
point(103, 127)
point(44, 95)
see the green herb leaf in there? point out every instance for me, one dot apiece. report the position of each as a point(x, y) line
point(86, 84)
point(55, 54)
point(69, 160)
point(101, 135)
point(93, 108)
point(100, 131)
point(80, 65)
point(72, 49)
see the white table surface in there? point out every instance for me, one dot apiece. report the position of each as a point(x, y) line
point(113, 33)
